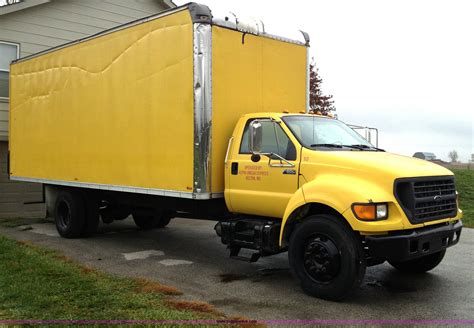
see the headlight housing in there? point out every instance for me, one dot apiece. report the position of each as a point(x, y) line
point(370, 211)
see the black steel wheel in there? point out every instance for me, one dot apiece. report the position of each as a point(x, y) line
point(322, 260)
point(327, 257)
point(69, 214)
point(420, 265)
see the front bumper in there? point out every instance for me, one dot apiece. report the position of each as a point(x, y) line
point(408, 245)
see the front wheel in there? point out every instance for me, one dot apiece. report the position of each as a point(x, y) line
point(326, 257)
point(420, 265)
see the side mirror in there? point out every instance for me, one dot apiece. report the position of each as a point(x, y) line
point(255, 137)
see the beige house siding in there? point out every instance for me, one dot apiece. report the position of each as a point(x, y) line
point(37, 25)
point(3, 121)
point(14, 195)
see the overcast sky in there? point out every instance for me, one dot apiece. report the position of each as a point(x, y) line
point(405, 66)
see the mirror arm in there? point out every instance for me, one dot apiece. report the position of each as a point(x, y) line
point(288, 164)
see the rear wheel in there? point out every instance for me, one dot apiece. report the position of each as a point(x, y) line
point(69, 214)
point(147, 222)
point(326, 257)
point(420, 265)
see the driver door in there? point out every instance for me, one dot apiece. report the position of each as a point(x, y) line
point(262, 187)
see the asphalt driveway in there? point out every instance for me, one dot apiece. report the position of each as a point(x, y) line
point(188, 255)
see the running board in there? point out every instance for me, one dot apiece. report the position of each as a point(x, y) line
point(234, 254)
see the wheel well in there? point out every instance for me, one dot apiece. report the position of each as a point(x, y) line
point(303, 212)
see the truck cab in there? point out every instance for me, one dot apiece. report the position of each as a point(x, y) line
point(311, 185)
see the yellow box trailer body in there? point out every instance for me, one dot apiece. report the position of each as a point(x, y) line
point(147, 107)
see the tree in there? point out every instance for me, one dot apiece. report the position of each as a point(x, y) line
point(318, 102)
point(453, 155)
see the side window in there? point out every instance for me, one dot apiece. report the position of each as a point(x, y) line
point(274, 141)
point(8, 53)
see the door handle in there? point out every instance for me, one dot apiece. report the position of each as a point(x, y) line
point(234, 169)
point(288, 171)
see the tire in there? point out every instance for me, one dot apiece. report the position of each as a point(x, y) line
point(327, 258)
point(69, 214)
point(420, 265)
point(147, 222)
point(92, 217)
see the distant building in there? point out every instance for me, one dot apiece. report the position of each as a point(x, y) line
point(31, 26)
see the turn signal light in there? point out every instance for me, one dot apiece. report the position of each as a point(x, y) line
point(370, 211)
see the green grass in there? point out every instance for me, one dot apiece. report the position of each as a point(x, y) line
point(465, 187)
point(39, 284)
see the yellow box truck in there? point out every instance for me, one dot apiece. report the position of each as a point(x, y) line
point(183, 114)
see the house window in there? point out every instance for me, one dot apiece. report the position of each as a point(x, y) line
point(8, 53)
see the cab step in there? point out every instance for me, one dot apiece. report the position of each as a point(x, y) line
point(255, 233)
point(234, 254)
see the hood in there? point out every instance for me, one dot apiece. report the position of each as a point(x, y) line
point(371, 163)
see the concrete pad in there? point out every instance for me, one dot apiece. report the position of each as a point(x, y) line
point(44, 229)
point(142, 255)
point(173, 262)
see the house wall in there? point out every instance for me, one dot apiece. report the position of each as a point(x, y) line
point(14, 195)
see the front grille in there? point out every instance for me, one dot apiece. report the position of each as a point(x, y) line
point(427, 199)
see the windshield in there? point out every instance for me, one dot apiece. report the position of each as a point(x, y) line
point(320, 132)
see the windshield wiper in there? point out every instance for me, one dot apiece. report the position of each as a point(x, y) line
point(326, 145)
point(358, 147)
point(362, 147)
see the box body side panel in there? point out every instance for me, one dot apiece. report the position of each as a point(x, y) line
point(114, 110)
point(251, 74)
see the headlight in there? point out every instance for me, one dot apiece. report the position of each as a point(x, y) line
point(370, 211)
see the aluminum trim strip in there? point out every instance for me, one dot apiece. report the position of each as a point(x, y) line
point(202, 107)
point(283, 39)
point(136, 190)
point(216, 22)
